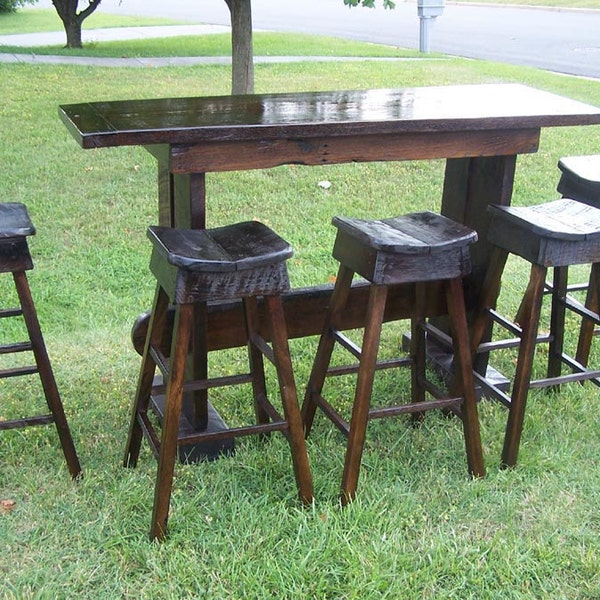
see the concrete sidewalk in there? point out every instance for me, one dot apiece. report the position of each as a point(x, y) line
point(56, 38)
point(181, 61)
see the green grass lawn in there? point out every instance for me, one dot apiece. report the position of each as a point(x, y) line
point(264, 43)
point(32, 20)
point(419, 528)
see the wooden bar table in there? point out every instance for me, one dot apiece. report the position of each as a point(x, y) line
point(479, 129)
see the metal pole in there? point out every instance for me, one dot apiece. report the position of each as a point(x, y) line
point(424, 33)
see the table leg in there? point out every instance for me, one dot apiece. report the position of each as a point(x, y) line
point(470, 186)
point(182, 203)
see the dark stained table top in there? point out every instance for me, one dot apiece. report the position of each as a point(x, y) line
point(319, 114)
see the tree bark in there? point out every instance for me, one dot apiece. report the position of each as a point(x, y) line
point(73, 31)
point(242, 56)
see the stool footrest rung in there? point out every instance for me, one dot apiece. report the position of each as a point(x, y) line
point(570, 378)
point(578, 308)
point(443, 338)
point(389, 411)
point(149, 432)
point(511, 327)
point(491, 390)
point(205, 384)
point(332, 414)
point(413, 407)
point(27, 422)
point(234, 432)
point(347, 343)
point(160, 360)
point(390, 363)
point(262, 345)
point(18, 372)
point(16, 347)
point(277, 423)
point(6, 313)
point(572, 287)
point(581, 374)
point(505, 323)
point(510, 343)
point(274, 415)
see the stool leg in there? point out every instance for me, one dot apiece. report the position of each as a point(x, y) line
point(45, 372)
point(464, 384)
point(364, 388)
point(418, 350)
point(592, 303)
point(141, 400)
point(182, 330)
point(557, 320)
point(255, 358)
point(314, 388)
point(197, 410)
point(289, 398)
point(532, 303)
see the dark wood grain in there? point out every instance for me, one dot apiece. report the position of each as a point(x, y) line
point(313, 114)
point(266, 153)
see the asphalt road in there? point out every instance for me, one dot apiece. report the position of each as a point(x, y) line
point(565, 41)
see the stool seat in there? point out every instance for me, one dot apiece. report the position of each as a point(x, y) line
point(580, 178)
point(246, 246)
point(194, 267)
point(423, 233)
point(15, 221)
point(557, 233)
point(15, 258)
point(410, 249)
point(422, 246)
point(235, 261)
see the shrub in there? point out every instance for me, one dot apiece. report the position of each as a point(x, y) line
point(12, 5)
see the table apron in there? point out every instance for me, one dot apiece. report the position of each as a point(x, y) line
point(245, 155)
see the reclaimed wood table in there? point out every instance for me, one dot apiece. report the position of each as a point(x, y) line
point(479, 129)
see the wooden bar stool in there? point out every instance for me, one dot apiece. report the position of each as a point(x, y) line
point(411, 249)
point(15, 227)
point(554, 234)
point(193, 267)
point(580, 180)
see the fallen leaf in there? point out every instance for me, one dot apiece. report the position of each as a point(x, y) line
point(7, 505)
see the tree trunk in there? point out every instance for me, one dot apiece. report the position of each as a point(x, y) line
point(73, 31)
point(242, 77)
